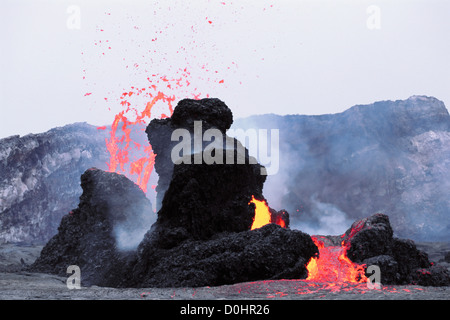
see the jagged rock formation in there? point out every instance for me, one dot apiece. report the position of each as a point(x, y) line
point(213, 114)
point(87, 237)
point(102, 233)
point(203, 200)
point(39, 179)
point(270, 252)
point(389, 156)
point(370, 241)
point(199, 199)
point(201, 236)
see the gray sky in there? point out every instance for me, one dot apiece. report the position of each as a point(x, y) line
point(283, 57)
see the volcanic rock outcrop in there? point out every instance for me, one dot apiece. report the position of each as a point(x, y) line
point(203, 200)
point(102, 233)
point(270, 252)
point(213, 113)
point(202, 234)
point(370, 241)
point(238, 171)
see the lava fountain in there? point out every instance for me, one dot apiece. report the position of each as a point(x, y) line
point(130, 157)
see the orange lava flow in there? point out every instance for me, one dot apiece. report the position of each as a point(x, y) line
point(333, 265)
point(263, 215)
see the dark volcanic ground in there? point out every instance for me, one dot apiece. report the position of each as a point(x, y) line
point(17, 284)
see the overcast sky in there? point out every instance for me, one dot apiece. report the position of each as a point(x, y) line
point(69, 61)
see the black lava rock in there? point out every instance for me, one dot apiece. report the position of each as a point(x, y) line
point(389, 268)
point(209, 199)
point(435, 276)
point(270, 252)
point(100, 235)
point(213, 113)
point(246, 177)
point(370, 241)
point(368, 237)
point(170, 255)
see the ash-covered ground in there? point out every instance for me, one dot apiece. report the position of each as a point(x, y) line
point(18, 284)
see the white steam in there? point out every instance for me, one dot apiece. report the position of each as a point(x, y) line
point(130, 232)
point(330, 220)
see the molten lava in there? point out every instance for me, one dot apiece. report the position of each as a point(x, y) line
point(263, 215)
point(121, 145)
point(279, 221)
point(333, 265)
point(119, 148)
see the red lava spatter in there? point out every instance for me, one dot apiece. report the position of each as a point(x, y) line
point(160, 97)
